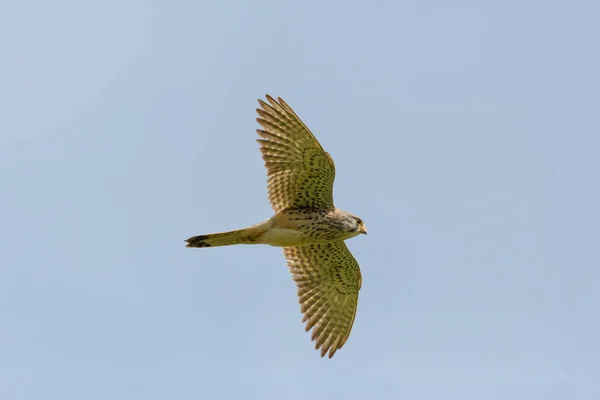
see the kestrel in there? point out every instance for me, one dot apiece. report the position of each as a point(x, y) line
point(306, 224)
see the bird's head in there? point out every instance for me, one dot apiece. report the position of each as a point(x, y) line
point(350, 224)
point(360, 226)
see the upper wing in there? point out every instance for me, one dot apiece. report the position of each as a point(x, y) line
point(300, 173)
point(328, 280)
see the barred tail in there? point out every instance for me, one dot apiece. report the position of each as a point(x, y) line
point(241, 236)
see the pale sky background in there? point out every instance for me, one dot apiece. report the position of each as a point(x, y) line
point(465, 133)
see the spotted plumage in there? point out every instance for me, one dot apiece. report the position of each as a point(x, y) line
point(306, 224)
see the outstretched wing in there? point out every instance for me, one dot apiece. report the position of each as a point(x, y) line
point(328, 280)
point(300, 173)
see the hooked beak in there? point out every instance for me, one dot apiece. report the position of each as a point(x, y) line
point(363, 229)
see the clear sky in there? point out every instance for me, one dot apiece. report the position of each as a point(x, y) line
point(466, 134)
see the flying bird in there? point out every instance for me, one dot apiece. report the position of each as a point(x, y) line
point(306, 224)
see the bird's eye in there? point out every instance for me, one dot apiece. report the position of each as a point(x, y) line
point(359, 220)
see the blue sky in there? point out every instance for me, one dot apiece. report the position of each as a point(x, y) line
point(465, 134)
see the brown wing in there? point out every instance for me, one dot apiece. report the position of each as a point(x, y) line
point(328, 280)
point(300, 173)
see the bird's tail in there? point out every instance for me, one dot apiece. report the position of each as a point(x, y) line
point(241, 236)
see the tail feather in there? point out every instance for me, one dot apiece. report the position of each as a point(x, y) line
point(241, 236)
